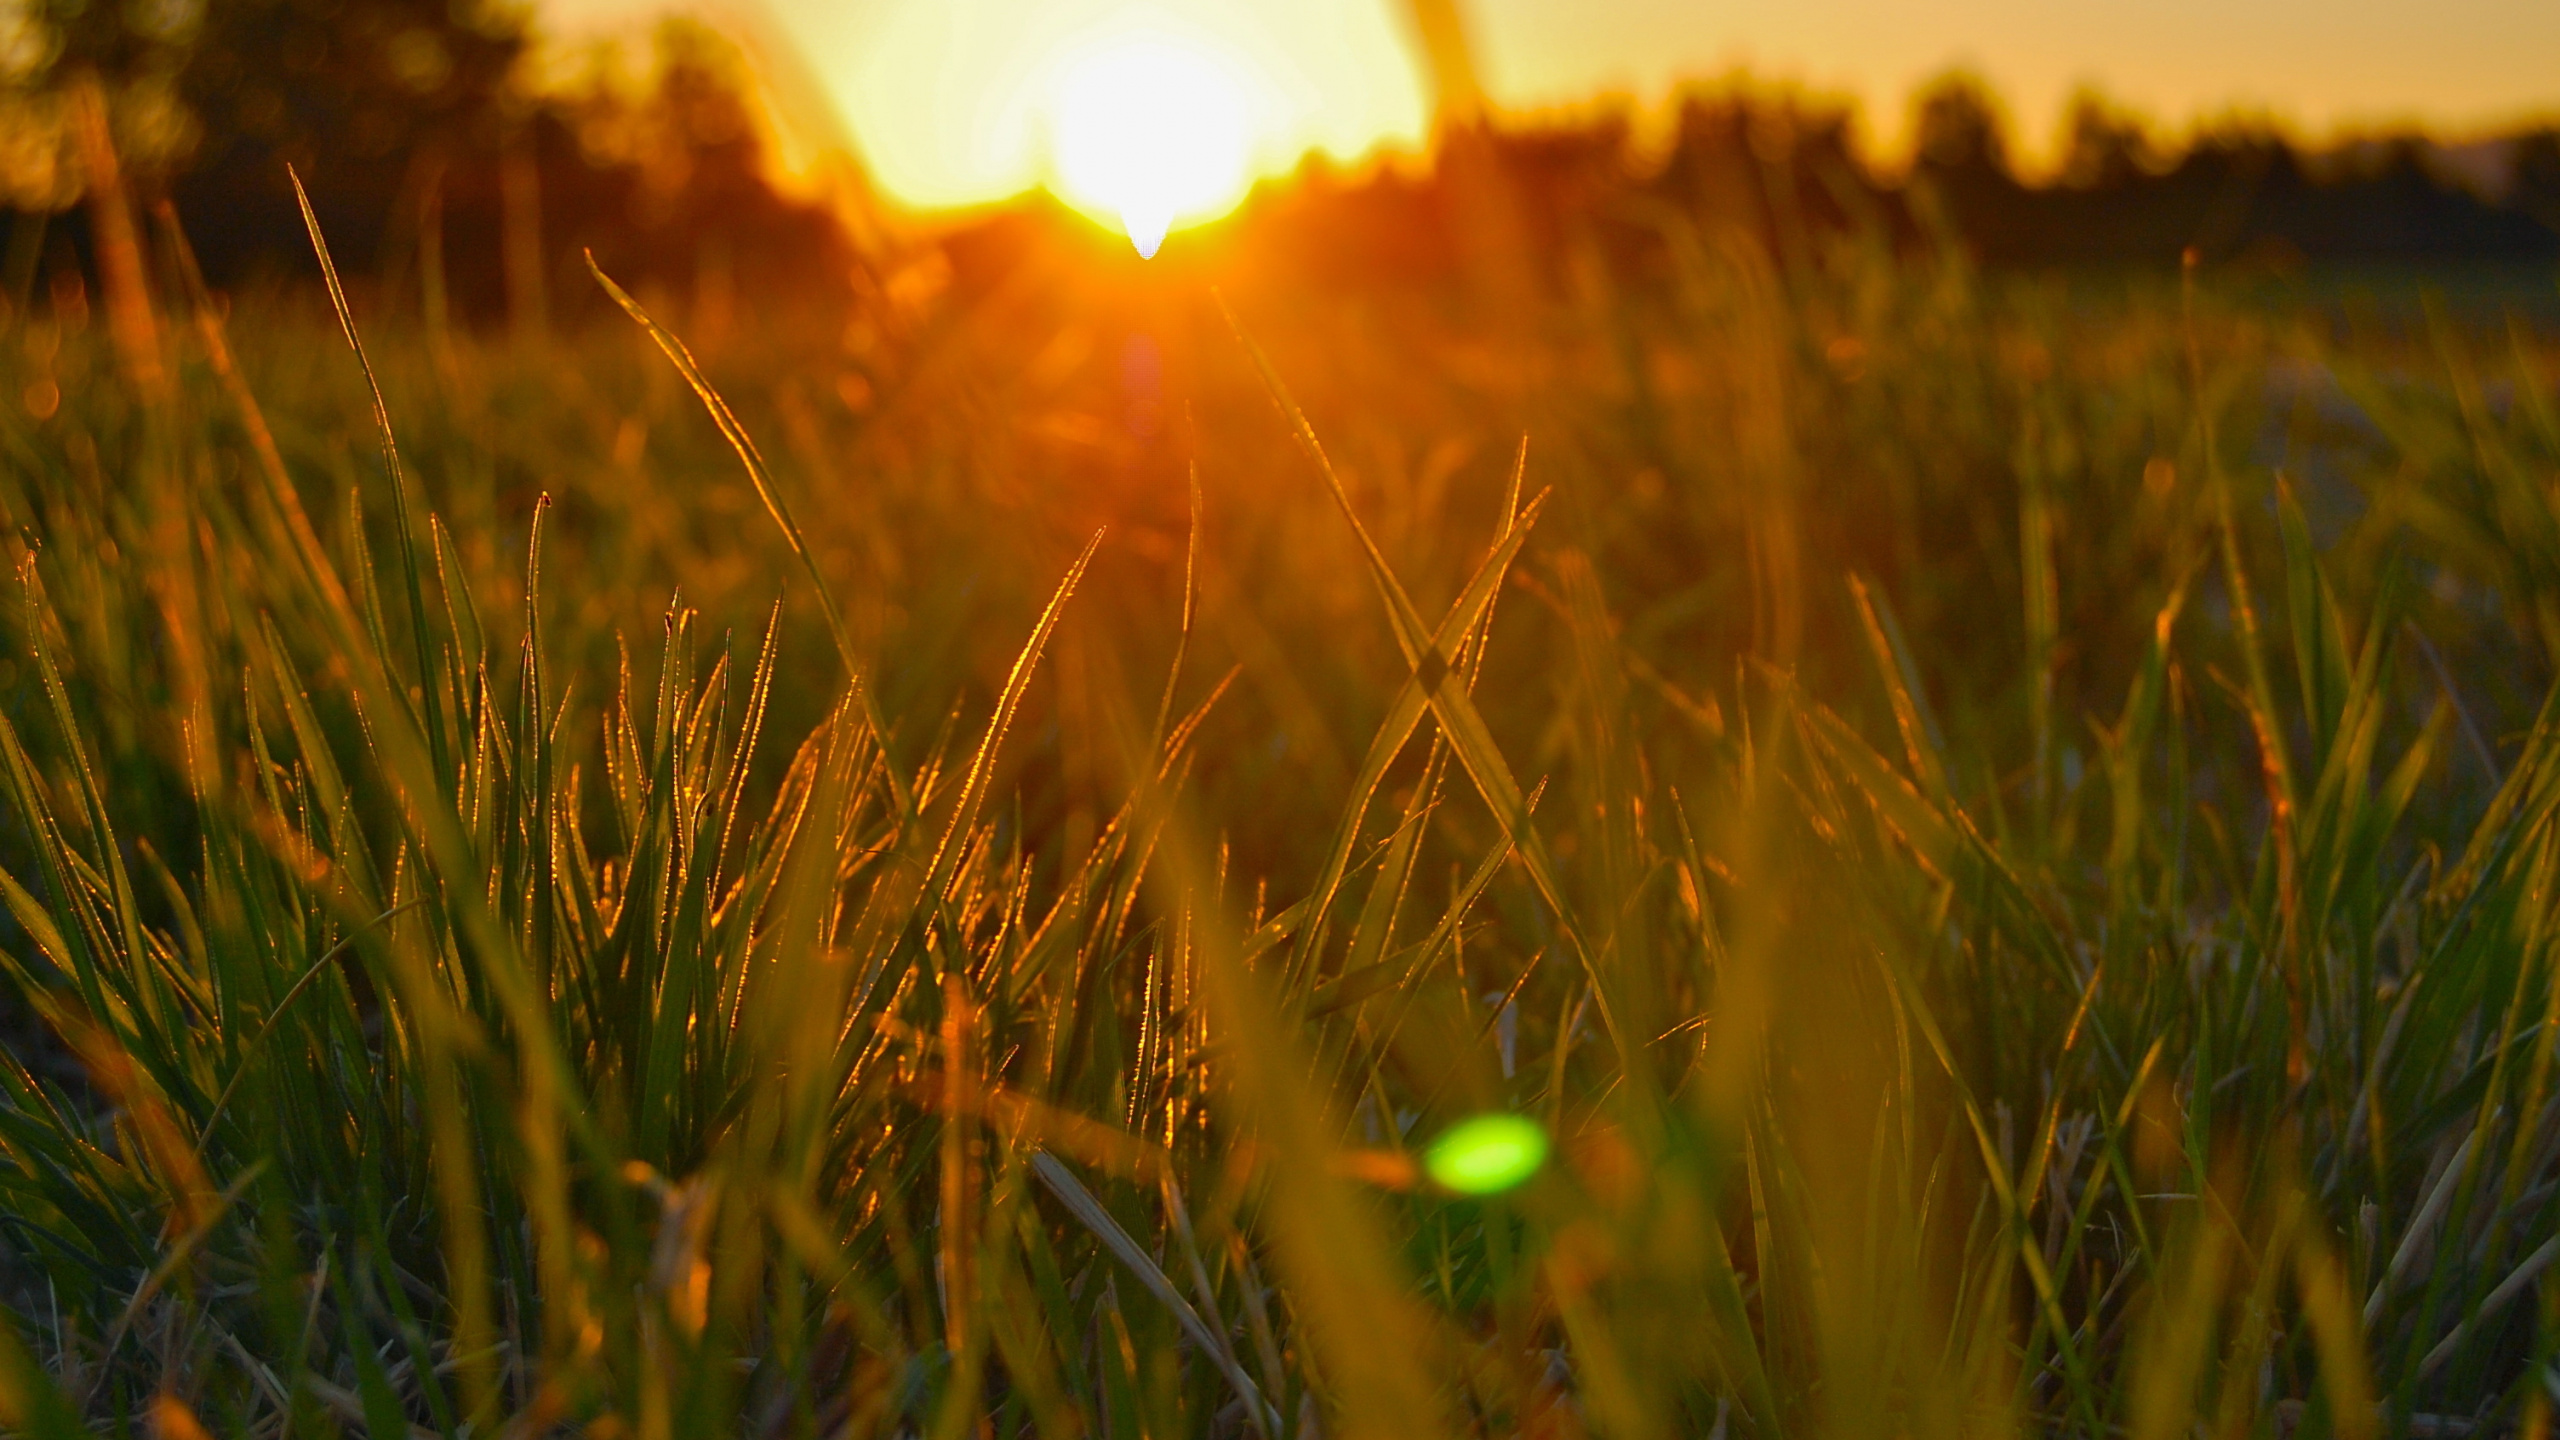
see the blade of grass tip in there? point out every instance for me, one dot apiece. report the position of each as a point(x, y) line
point(418, 629)
point(91, 966)
point(735, 432)
point(2128, 744)
point(111, 867)
point(462, 613)
point(536, 748)
point(2235, 575)
point(2319, 637)
point(1410, 635)
point(1511, 487)
point(1089, 1211)
point(733, 779)
point(981, 765)
point(1911, 719)
point(1511, 522)
point(1468, 736)
point(1182, 636)
point(1467, 616)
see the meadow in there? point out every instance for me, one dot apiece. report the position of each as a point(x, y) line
point(950, 870)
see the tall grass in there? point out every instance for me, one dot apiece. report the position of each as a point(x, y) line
point(2018, 916)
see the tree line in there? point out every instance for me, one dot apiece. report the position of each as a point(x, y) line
point(452, 182)
point(440, 169)
point(1792, 172)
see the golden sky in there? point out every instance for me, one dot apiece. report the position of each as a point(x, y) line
point(952, 101)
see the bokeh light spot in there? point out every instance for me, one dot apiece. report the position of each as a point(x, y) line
point(1487, 1154)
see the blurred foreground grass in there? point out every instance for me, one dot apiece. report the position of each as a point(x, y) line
point(2006, 833)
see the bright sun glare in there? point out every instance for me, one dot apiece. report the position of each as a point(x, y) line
point(1150, 130)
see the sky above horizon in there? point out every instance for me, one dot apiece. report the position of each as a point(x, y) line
point(944, 99)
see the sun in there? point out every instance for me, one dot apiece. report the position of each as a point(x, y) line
point(1150, 130)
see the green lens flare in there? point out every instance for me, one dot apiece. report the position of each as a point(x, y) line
point(1487, 1155)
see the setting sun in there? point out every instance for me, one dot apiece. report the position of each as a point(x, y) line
point(1151, 131)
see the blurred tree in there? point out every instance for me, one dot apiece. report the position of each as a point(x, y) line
point(2533, 183)
point(1960, 164)
point(1484, 211)
point(442, 173)
point(1958, 130)
point(667, 176)
point(2103, 147)
point(208, 101)
point(331, 85)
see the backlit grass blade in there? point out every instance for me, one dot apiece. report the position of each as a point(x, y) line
point(1088, 1211)
point(1948, 843)
point(1469, 740)
point(2319, 639)
point(973, 787)
point(1921, 744)
point(1465, 619)
point(749, 456)
point(398, 479)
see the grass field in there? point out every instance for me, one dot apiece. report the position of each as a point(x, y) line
point(2008, 831)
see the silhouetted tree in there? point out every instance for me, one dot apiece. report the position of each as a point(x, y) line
point(210, 100)
point(2103, 148)
point(670, 182)
point(1958, 129)
point(2534, 180)
point(1777, 165)
point(1960, 156)
point(437, 168)
point(328, 84)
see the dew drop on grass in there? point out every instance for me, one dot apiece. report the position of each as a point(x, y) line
point(1487, 1154)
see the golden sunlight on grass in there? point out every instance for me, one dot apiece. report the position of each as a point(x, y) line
point(1149, 130)
point(1588, 784)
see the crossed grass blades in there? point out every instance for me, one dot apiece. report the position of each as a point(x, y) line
point(442, 1025)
